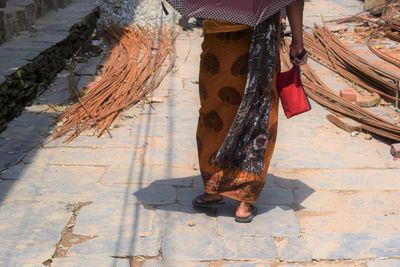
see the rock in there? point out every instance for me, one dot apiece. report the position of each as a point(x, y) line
point(395, 150)
point(360, 29)
point(337, 28)
point(345, 123)
point(370, 4)
point(367, 137)
point(348, 94)
point(367, 100)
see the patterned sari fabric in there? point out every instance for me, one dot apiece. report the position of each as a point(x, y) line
point(247, 139)
point(222, 83)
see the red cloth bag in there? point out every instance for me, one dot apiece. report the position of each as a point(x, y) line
point(290, 89)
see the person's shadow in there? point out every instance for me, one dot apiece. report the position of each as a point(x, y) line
point(177, 194)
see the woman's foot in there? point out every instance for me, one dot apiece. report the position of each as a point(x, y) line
point(207, 201)
point(245, 212)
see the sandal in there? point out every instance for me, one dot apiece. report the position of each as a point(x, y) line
point(202, 202)
point(249, 218)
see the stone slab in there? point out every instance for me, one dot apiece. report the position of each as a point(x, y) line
point(339, 179)
point(378, 224)
point(21, 135)
point(51, 183)
point(271, 221)
point(185, 196)
point(250, 248)
point(295, 250)
point(30, 231)
point(308, 160)
point(318, 136)
point(123, 246)
point(276, 196)
point(147, 174)
point(84, 141)
point(333, 246)
point(203, 247)
point(46, 37)
point(170, 82)
point(159, 263)
point(384, 263)
point(341, 8)
point(246, 264)
point(213, 247)
point(28, 254)
point(190, 71)
point(115, 218)
point(347, 200)
point(181, 219)
point(53, 173)
point(18, 52)
point(83, 156)
point(183, 157)
point(21, 43)
point(155, 194)
point(90, 260)
point(8, 65)
point(84, 191)
point(167, 127)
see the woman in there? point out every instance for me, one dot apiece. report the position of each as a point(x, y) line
point(223, 77)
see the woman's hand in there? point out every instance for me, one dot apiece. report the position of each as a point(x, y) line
point(294, 12)
point(298, 55)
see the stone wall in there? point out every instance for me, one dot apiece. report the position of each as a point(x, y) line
point(2, 29)
point(20, 15)
point(24, 85)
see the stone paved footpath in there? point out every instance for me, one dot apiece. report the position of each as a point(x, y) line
point(330, 199)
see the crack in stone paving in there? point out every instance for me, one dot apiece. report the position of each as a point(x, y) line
point(68, 238)
point(139, 260)
point(278, 263)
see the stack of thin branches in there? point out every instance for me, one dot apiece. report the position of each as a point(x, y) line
point(323, 95)
point(388, 24)
point(327, 49)
point(134, 66)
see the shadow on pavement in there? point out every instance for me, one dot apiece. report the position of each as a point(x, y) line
point(23, 134)
point(272, 196)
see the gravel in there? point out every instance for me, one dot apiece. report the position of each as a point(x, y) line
point(143, 12)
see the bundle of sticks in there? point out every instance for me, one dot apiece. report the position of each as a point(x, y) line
point(317, 90)
point(327, 49)
point(133, 68)
point(387, 24)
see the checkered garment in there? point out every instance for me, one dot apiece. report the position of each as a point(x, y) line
point(245, 144)
point(249, 12)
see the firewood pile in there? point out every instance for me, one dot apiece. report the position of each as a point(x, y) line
point(137, 61)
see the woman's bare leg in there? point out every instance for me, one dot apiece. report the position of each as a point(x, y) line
point(243, 210)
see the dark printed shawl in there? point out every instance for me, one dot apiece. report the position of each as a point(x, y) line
point(245, 144)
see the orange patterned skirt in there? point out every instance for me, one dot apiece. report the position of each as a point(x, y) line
point(223, 68)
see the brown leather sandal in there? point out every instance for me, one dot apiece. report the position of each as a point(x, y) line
point(249, 218)
point(201, 202)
